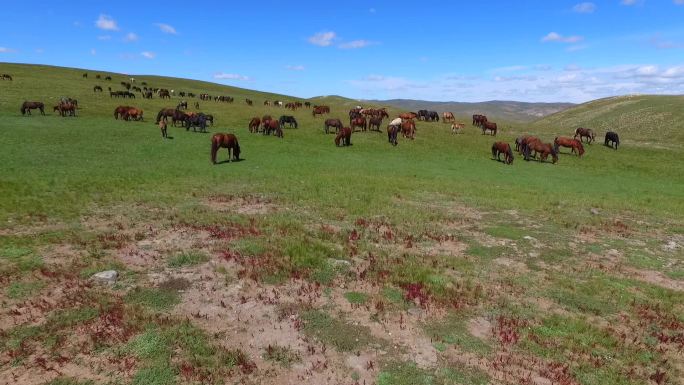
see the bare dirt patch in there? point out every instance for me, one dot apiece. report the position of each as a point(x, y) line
point(246, 205)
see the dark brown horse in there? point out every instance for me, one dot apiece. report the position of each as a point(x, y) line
point(585, 133)
point(392, 133)
point(343, 137)
point(165, 113)
point(254, 125)
point(26, 107)
point(97, 89)
point(408, 115)
point(489, 126)
point(120, 111)
point(499, 148)
point(228, 141)
point(336, 123)
point(408, 129)
point(375, 122)
point(272, 126)
point(359, 122)
point(543, 149)
point(65, 109)
point(574, 144)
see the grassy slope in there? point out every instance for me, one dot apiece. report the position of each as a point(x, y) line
point(58, 170)
point(641, 119)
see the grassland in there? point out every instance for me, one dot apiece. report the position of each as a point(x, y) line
point(428, 262)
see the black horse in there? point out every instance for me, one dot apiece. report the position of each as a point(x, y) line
point(392, 132)
point(612, 140)
point(432, 116)
point(197, 121)
point(183, 104)
point(289, 120)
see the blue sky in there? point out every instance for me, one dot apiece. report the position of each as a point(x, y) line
point(543, 51)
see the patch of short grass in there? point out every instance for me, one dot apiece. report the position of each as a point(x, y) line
point(22, 290)
point(21, 259)
point(159, 373)
point(153, 298)
point(282, 355)
point(356, 298)
point(186, 259)
point(507, 231)
point(336, 332)
point(453, 330)
point(62, 380)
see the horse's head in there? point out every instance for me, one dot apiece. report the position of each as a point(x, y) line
point(236, 151)
point(580, 147)
point(554, 154)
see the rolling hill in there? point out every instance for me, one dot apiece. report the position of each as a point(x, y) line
point(497, 110)
point(637, 118)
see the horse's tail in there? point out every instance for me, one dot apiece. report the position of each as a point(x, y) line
point(214, 149)
point(494, 150)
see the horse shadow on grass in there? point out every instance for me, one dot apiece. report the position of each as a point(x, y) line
point(231, 161)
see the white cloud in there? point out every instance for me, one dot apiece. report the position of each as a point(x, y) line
point(106, 23)
point(584, 7)
point(131, 37)
point(167, 28)
point(39, 50)
point(104, 37)
point(679, 2)
point(6, 50)
point(93, 52)
point(555, 37)
point(630, 2)
point(227, 76)
point(356, 44)
point(323, 39)
point(515, 68)
point(148, 55)
point(295, 68)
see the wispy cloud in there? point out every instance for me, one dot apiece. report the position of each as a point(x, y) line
point(575, 48)
point(130, 37)
point(679, 2)
point(585, 7)
point(514, 68)
point(556, 37)
point(6, 50)
point(295, 68)
point(105, 22)
point(323, 39)
point(228, 76)
point(93, 51)
point(104, 37)
point(148, 54)
point(166, 28)
point(354, 44)
point(630, 2)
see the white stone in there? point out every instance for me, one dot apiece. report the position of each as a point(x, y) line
point(108, 277)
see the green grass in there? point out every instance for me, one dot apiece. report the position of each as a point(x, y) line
point(22, 290)
point(356, 298)
point(154, 299)
point(191, 258)
point(282, 355)
point(453, 331)
point(336, 332)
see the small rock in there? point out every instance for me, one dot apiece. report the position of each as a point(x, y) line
point(670, 246)
point(595, 211)
point(108, 277)
point(417, 312)
point(339, 262)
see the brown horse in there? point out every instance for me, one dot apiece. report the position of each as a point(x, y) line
point(543, 149)
point(133, 114)
point(120, 111)
point(375, 122)
point(228, 141)
point(564, 141)
point(499, 148)
point(408, 115)
point(162, 127)
point(457, 127)
point(489, 126)
point(336, 123)
point(344, 136)
point(359, 122)
point(585, 133)
point(448, 117)
point(320, 110)
point(408, 129)
point(254, 125)
point(273, 126)
point(65, 109)
point(26, 107)
point(165, 113)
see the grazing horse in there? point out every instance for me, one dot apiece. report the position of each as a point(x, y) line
point(162, 127)
point(164, 94)
point(489, 126)
point(254, 125)
point(544, 149)
point(574, 144)
point(457, 127)
point(448, 117)
point(408, 115)
point(26, 107)
point(133, 114)
point(273, 126)
point(65, 109)
point(120, 111)
point(336, 123)
point(264, 122)
point(85, 75)
point(375, 122)
point(249, 102)
point(359, 122)
point(479, 120)
point(612, 140)
point(97, 89)
point(499, 148)
point(585, 133)
point(179, 116)
point(392, 132)
point(290, 120)
point(197, 121)
point(408, 129)
point(165, 113)
point(344, 136)
point(228, 141)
